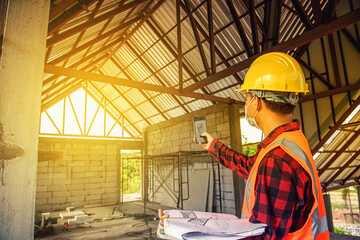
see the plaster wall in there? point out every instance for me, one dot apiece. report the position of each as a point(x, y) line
point(21, 73)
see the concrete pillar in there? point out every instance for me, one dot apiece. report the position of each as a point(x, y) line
point(358, 195)
point(21, 74)
point(329, 217)
point(235, 141)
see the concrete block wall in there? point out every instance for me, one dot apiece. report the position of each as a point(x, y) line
point(177, 135)
point(76, 174)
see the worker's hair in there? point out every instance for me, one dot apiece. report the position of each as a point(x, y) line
point(279, 107)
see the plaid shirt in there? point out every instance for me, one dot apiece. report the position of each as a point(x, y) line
point(283, 188)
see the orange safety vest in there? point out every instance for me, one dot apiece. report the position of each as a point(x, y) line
point(295, 144)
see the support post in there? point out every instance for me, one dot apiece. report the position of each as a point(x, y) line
point(235, 141)
point(21, 76)
point(329, 217)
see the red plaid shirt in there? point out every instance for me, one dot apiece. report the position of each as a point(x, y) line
point(283, 188)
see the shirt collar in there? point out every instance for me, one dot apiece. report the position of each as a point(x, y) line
point(293, 126)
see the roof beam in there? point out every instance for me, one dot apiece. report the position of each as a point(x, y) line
point(100, 103)
point(141, 91)
point(239, 28)
point(335, 91)
point(336, 125)
point(340, 151)
point(217, 51)
point(132, 84)
point(351, 39)
point(92, 42)
point(307, 37)
point(302, 14)
point(91, 23)
point(211, 36)
point(149, 68)
point(55, 10)
point(57, 98)
point(172, 51)
point(56, 23)
point(317, 75)
point(253, 21)
point(339, 171)
point(197, 38)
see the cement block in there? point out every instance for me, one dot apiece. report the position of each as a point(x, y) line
point(78, 157)
point(95, 198)
point(60, 175)
point(82, 217)
point(96, 191)
point(43, 182)
point(75, 199)
point(61, 181)
point(73, 187)
point(57, 200)
point(60, 170)
point(61, 194)
point(93, 186)
point(68, 215)
point(80, 169)
point(78, 193)
point(76, 181)
point(57, 188)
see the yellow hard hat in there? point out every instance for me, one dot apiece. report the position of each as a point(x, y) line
point(275, 71)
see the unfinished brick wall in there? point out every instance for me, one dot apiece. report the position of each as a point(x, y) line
point(76, 174)
point(177, 135)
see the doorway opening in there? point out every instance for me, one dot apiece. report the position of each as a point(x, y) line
point(130, 175)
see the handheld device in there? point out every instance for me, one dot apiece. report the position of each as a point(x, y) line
point(200, 128)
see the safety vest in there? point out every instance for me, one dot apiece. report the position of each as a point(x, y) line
point(295, 144)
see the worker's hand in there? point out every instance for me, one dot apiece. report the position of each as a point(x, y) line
point(209, 140)
point(162, 217)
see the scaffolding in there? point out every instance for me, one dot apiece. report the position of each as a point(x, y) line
point(169, 174)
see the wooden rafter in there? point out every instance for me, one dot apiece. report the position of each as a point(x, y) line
point(110, 113)
point(253, 21)
point(197, 37)
point(132, 84)
point(142, 92)
point(172, 51)
point(342, 168)
point(57, 22)
point(302, 14)
point(239, 28)
point(211, 36)
point(340, 151)
point(149, 68)
point(306, 37)
point(93, 22)
point(352, 87)
point(316, 74)
point(336, 125)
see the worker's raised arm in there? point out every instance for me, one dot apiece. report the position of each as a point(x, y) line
point(228, 157)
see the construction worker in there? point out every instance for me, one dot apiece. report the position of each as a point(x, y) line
point(283, 188)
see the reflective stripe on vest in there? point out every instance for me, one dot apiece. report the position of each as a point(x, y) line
point(319, 225)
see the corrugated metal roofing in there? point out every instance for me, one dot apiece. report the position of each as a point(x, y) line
point(149, 55)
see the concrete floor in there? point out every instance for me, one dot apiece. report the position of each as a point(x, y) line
point(134, 222)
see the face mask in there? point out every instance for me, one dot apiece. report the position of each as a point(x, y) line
point(252, 120)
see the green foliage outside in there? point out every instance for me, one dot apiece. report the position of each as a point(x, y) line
point(249, 150)
point(130, 171)
point(339, 230)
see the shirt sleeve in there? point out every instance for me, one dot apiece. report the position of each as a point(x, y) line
point(229, 158)
point(279, 190)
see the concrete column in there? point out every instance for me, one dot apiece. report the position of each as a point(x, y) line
point(21, 74)
point(235, 141)
point(329, 217)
